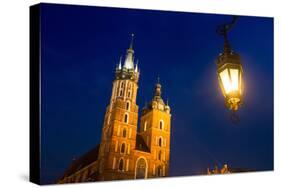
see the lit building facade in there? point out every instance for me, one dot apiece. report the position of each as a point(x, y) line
point(126, 151)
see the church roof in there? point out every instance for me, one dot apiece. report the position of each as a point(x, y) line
point(92, 155)
point(141, 145)
point(85, 160)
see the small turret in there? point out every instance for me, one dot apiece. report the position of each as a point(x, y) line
point(157, 101)
point(136, 67)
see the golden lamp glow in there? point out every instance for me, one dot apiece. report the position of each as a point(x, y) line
point(230, 76)
point(230, 80)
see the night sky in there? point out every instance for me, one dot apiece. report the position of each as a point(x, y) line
point(81, 46)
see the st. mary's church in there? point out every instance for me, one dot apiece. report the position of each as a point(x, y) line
point(127, 150)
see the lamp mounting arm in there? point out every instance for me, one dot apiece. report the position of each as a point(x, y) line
point(223, 29)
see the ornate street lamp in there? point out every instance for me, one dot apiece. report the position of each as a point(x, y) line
point(230, 71)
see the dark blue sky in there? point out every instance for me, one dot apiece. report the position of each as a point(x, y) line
point(81, 46)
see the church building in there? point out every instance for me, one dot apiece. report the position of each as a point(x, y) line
point(127, 150)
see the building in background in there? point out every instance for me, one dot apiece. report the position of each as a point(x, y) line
point(226, 170)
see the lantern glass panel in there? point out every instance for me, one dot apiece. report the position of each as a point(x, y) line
point(234, 74)
point(240, 83)
point(224, 76)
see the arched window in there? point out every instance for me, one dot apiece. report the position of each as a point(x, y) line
point(159, 171)
point(124, 132)
point(126, 118)
point(160, 142)
point(121, 92)
point(122, 84)
point(123, 147)
point(141, 169)
point(121, 164)
point(129, 90)
point(159, 155)
point(128, 105)
point(161, 125)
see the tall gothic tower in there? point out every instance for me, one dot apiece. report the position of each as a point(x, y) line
point(120, 122)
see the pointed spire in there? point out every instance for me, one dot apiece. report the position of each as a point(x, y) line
point(129, 61)
point(136, 67)
point(120, 63)
point(167, 101)
point(157, 90)
point(132, 41)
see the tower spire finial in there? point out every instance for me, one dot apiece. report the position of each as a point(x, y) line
point(157, 91)
point(132, 41)
point(129, 61)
